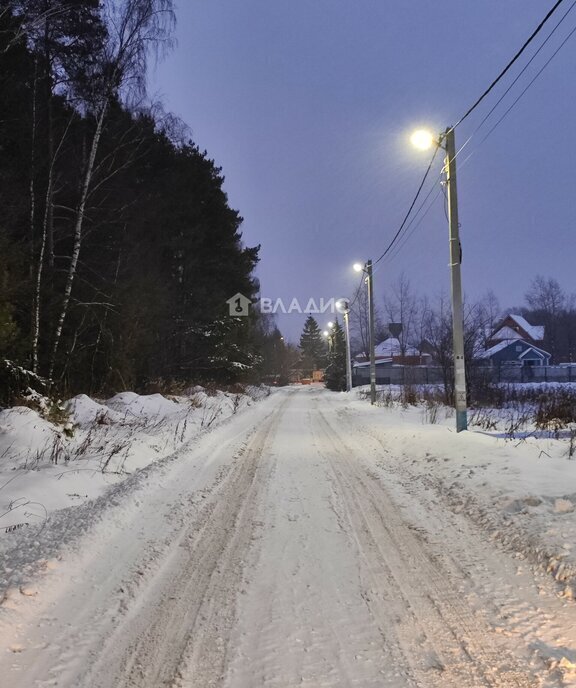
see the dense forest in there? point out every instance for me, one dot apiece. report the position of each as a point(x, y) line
point(118, 246)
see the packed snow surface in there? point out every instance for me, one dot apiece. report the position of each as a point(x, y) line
point(308, 539)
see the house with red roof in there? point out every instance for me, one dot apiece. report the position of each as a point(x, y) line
point(516, 342)
point(516, 327)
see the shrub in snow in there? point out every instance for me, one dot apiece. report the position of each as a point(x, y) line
point(18, 383)
point(556, 409)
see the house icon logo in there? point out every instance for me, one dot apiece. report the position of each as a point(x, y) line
point(238, 305)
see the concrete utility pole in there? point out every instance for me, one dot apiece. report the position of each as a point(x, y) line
point(348, 355)
point(370, 281)
point(456, 282)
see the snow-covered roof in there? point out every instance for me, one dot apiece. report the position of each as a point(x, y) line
point(503, 345)
point(506, 333)
point(391, 347)
point(536, 350)
point(493, 349)
point(366, 364)
point(535, 332)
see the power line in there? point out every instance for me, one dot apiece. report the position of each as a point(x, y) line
point(514, 82)
point(536, 31)
point(357, 294)
point(507, 91)
point(531, 82)
point(391, 244)
point(509, 65)
point(416, 221)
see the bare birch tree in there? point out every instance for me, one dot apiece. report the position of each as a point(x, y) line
point(360, 322)
point(136, 30)
point(401, 306)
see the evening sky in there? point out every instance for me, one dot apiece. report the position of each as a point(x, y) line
point(308, 105)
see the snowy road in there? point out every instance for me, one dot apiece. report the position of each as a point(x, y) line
point(285, 548)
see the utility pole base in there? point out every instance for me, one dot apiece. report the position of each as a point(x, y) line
point(461, 421)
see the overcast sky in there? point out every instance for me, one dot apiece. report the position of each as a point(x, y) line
point(308, 106)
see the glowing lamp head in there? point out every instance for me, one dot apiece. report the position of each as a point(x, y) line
point(422, 139)
point(326, 333)
point(358, 267)
point(330, 324)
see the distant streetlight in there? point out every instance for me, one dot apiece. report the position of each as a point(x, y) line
point(423, 140)
point(343, 306)
point(329, 336)
point(367, 269)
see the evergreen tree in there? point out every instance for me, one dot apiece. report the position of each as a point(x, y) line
point(312, 347)
point(161, 249)
point(335, 373)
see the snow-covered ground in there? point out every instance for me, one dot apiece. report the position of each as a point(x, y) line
point(308, 539)
point(46, 466)
point(516, 480)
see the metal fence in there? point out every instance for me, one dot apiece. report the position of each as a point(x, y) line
point(431, 375)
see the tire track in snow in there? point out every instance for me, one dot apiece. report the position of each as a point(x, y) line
point(303, 620)
point(177, 634)
point(441, 638)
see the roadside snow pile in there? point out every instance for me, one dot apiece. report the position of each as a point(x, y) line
point(153, 406)
point(520, 487)
point(46, 466)
point(85, 411)
point(26, 439)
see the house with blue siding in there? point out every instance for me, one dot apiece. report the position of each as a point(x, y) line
point(515, 352)
point(515, 342)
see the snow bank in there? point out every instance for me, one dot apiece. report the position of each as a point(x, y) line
point(521, 489)
point(46, 467)
point(150, 407)
point(85, 411)
point(26, 439)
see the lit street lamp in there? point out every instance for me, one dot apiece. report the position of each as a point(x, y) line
point(367, 268)
point(328, 335)
point(343, 306)
point(423, 140)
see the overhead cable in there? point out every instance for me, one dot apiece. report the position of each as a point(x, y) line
point(391, 244)
point(509, 65)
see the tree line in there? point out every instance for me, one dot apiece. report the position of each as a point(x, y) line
point(427, 322)
point(118, 246)
point(424, 326)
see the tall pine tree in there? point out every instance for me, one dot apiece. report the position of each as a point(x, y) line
point(312, 346)
point(335, 373)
